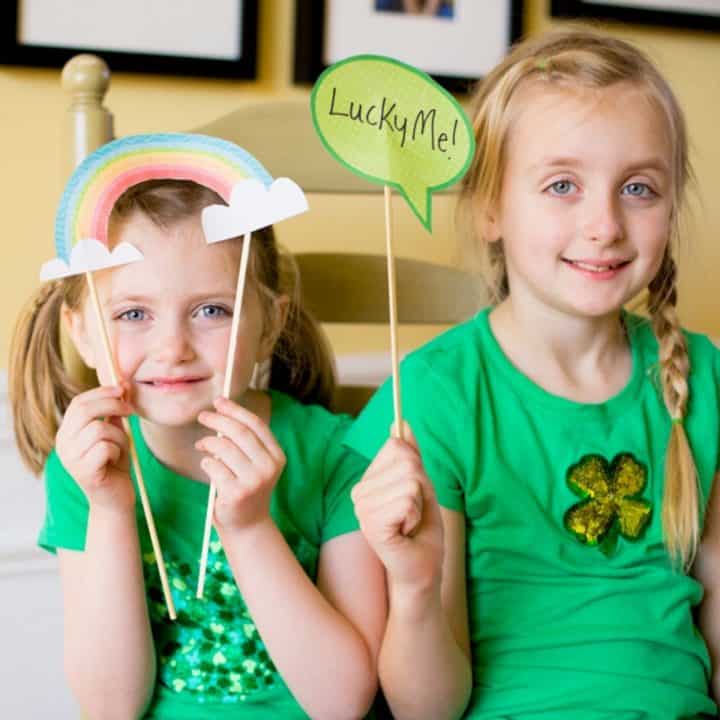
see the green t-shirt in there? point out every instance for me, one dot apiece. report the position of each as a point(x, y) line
point(562, 628)
point(212, 662)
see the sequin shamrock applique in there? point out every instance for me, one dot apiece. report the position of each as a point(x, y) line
point(611, 504)
point(213, 651)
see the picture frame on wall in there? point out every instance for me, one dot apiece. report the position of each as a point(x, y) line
point(691, 14)
point(150, 36)
point(454, 41)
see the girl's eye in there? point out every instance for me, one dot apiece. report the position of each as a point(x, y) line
point(213, 311)
point(562, 187)
point(638, 190)
point(135, 315)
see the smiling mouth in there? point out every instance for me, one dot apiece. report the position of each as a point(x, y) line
point(172, 382)
point(596, 267)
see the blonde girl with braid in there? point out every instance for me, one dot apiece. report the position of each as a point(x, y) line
point(293, 607)
point(548, 525)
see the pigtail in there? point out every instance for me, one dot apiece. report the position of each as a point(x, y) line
point(681, 499)
point(40, 387)
point(301, 363)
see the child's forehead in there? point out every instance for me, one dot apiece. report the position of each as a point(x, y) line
point(575, 118)
point(176, 254)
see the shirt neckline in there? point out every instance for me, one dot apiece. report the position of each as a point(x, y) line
point(530, 390)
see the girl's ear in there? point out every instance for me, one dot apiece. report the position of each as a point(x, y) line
point(487, 226)
point(276, 322)
point(76, 327)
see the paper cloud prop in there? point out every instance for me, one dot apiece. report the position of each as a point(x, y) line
point(253, 206)
point(88, 255)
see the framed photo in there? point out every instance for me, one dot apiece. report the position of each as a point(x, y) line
point(695, 14)
point(454, 41)
point(180, 37)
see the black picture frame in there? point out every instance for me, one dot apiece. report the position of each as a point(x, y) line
point(310, 43)
point(13, 52)
point(579, 9)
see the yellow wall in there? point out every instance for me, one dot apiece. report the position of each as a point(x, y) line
point(32, 105)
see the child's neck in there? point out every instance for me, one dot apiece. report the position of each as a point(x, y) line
point(587, 360)
point(174, 446)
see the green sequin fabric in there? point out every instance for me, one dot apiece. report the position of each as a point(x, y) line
point(213, 650)
point(611, 504)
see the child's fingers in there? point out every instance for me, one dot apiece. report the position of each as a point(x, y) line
point(242, 415)
point(241, 435)
point(405, 493)
point(225, 450)
point(229, 490)
point(101, 455)
point(387, 518)
point(388, 473)
point(246, 438)
point(97, 403)
point(391, 454)
point(99, 431)
point(219, 473)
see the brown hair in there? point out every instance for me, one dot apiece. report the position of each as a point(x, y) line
point(580, 57)
point(41, 386)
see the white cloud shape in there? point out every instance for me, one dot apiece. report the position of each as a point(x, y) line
point(89, 254)
point(253, 206)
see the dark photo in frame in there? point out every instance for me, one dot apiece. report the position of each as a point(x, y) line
point(216, 39)
point(690, 14)
point(456, 43)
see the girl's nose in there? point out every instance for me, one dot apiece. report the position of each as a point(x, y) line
point(173, 343)
point(604, 222)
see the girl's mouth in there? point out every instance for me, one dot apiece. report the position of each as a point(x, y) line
point(172, 383)
point(597, 268)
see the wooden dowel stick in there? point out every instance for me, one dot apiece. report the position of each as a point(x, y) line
point(229, 363)
point(398, 426)
point(110, 359)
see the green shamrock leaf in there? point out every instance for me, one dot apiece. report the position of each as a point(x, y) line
point(611, 503)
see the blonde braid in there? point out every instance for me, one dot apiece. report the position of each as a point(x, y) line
point(681, 497)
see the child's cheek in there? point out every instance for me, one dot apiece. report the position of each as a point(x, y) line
point(128, 356)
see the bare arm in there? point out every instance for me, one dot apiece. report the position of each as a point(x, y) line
point(425, 658)
point(323, 640)
point(425, 668)
point(707, 571)
point(109, 654)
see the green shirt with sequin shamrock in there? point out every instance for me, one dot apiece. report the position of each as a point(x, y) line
point(575, 609)
point(212, 663)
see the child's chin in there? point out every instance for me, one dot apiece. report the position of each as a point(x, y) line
point(174, 418)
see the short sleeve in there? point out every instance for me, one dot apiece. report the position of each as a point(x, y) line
point(343, 468)
point(716, 380)
point(436, 419)
point(66, 509)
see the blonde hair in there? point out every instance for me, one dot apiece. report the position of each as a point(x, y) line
point(41, 386)
point(583, 58)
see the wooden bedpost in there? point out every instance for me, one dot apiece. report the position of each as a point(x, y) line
point(88, 124)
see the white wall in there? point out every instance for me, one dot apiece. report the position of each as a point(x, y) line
point(32, 685)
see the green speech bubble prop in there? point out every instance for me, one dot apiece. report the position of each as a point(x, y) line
point(392, 124)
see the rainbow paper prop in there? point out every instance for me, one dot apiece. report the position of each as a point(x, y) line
point(81, 226)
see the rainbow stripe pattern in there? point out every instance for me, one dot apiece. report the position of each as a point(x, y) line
point(107, 173)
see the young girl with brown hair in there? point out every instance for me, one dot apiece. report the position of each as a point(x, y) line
point(293, 611)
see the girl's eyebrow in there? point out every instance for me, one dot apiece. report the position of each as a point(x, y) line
point(651, 163)
point(192, 299)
